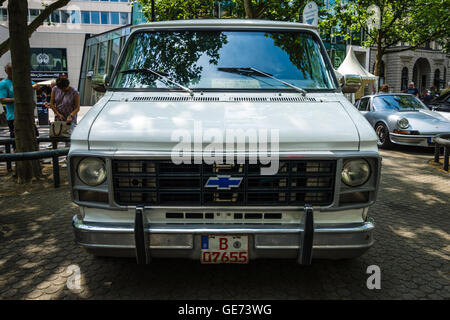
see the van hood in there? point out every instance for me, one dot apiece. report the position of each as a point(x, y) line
point(159, 126)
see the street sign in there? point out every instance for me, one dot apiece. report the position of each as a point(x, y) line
point(311, 14)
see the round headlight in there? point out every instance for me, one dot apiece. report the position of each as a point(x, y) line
point(92, 171)
point(403, 123)
point(355, 172)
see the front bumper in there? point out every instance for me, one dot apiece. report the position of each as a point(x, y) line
point(302, 241)
point(412, 140)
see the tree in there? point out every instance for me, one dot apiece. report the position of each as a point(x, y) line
point(283, 10)
point(414, 22)
point(18, 43)
point(178, 9)
point(36, 23)
point(23, 95)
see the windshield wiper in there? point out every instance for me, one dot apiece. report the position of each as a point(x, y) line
point(161, 75)
point(248, 71)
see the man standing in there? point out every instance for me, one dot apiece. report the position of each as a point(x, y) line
point(413, 90)
point(7, 99)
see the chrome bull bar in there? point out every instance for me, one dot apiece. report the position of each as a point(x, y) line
point(142, 242)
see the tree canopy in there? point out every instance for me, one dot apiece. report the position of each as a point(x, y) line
point(410, 22)
point(283, 10)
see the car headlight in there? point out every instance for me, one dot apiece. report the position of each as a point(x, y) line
point(403, 123)
point(355, 172)
point(92, 171)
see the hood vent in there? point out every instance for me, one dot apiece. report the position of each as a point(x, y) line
point(226, 99)
point(272, 99)
point(175, 99)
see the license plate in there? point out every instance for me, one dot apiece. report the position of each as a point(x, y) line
point(224, 249)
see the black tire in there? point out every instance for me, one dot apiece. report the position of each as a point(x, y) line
point(382, 132)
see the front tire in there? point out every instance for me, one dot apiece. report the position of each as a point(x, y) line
point(382, 132)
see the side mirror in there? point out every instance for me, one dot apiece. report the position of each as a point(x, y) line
point(350, 83)
point(100, 82)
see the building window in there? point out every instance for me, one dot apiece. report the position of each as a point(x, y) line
point(114, 18)
point(75, 16)
point(445, 77)
point(102, 56)
point(95, 17)
point(105, 17)
point(3, 14)
point(437, 79)
point(65, 16)
point(56, 16)
point(85, 17)
point(123, 17)
point(404, 85)
point(33, 13)
point(92, 56)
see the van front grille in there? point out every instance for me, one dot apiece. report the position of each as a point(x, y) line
point(163, 183)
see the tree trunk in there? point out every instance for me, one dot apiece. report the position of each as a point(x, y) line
point(248, 9)
point(378, 58)
point(23, 92)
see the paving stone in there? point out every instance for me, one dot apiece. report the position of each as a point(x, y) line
point(412, 249)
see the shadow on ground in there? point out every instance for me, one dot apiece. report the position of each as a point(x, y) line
point(412, 249)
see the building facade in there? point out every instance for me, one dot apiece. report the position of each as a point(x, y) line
point(426, 67)
point(57, 46)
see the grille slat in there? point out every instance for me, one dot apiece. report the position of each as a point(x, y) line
point(160, 182)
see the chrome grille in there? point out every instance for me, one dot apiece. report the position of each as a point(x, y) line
point(160, 182)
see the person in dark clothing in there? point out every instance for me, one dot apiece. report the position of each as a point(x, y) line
point(427, 97)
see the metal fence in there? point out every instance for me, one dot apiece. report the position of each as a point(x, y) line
point(442, 141)
point(54, 154)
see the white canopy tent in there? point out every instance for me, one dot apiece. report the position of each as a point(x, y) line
point(351, 65)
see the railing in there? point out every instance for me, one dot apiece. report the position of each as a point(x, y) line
point(9, 157)
point(442, 140)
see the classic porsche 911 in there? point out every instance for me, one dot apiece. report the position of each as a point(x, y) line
point(402, 119)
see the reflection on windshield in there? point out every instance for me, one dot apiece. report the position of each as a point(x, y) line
point(194, 59)
point(398, 103)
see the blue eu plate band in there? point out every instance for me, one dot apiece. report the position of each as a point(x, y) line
point(141, 241)
point(307, 237)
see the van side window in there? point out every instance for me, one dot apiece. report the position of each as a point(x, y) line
point(363, 104)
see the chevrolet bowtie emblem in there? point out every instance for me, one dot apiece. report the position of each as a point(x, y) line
point(223, 182)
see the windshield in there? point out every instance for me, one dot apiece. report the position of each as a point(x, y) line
point(397, 103)
point(197, 60)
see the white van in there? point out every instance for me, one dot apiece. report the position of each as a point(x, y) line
point(224, 141)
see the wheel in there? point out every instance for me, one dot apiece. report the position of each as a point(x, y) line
point(383, 135)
